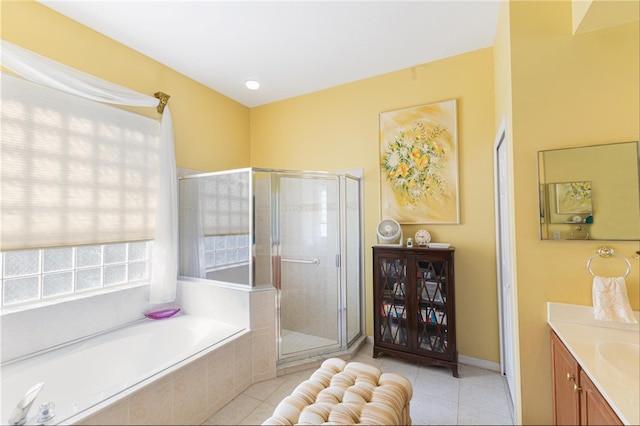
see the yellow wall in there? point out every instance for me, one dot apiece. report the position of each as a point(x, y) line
point(590, 15)
point(338, 129)
point(211, 130)
point(566, 91)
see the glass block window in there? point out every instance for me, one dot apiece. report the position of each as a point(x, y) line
point(30, 276)
point(73, 172)
point(227, 199)
point(222, 251)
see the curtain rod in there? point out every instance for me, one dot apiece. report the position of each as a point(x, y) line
point(164, 98)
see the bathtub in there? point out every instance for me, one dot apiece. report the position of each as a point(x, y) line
point(88, 375)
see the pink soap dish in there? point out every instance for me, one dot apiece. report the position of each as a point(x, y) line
point(162, 314)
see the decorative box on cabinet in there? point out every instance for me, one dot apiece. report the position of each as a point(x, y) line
point(414, 305)
point(576, 400)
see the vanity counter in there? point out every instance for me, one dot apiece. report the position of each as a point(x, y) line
point(607, 351)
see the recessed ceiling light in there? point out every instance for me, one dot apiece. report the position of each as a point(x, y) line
point(252, 84)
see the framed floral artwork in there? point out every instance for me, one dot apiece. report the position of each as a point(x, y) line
point(419, 164)
point(573, 197)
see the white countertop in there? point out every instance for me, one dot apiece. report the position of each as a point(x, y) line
point(592, 343)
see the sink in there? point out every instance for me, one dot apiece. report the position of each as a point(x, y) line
point(624, 357)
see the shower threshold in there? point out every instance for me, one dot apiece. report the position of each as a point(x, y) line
point(292, 365)
point(294, 341)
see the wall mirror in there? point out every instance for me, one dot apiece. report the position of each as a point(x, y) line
point(590, 192)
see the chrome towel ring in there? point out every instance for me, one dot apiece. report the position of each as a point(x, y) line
point(607, 252)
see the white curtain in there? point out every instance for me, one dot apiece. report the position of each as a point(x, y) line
point(164, 266)
point(46, 72)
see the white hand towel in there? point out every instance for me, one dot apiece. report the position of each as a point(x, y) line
point(610, 300)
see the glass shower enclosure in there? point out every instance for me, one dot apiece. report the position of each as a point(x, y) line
point(300, 232)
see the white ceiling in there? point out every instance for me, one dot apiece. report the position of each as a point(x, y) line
point(291, 47)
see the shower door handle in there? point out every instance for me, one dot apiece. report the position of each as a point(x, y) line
point(309, 262)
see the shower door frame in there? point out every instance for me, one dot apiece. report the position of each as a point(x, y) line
point(342, 332)
point(357, 176)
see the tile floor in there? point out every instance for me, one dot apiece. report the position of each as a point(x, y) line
point(478, 396)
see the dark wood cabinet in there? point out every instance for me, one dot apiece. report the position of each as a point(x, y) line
point(576, 400)
point(414, 303)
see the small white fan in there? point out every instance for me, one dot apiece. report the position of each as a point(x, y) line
point(389, 232)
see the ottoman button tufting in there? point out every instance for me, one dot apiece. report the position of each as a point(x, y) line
point(347, 393)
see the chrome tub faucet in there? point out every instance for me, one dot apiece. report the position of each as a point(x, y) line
point(19, 416)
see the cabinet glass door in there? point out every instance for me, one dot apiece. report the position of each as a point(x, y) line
point(432, 302)
point(393, 291)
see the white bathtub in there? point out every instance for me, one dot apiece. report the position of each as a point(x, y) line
point(84, 376)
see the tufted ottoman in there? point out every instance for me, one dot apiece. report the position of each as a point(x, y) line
point(346, 393)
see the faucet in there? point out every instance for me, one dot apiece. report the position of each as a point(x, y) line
point(19, 416)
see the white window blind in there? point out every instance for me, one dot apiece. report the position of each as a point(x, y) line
point(73, 171)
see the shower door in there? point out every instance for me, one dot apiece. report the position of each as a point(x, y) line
point(351, 258)
point(307, 277)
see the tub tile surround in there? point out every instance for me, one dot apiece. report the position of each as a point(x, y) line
point(31, 330)
point(187, 393)
point(263, 334)
point(227, 303)
point(195, 392)
point(252, 308)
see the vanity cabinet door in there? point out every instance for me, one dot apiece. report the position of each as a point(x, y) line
point(565, 388)
point(576, 400)
point(594, 409)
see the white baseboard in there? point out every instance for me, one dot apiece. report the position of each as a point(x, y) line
point(468, 360)
point(480, 363)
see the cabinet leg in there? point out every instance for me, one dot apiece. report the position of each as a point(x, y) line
point(454, 371)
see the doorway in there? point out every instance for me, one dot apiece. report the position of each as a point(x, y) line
point(503, 256)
